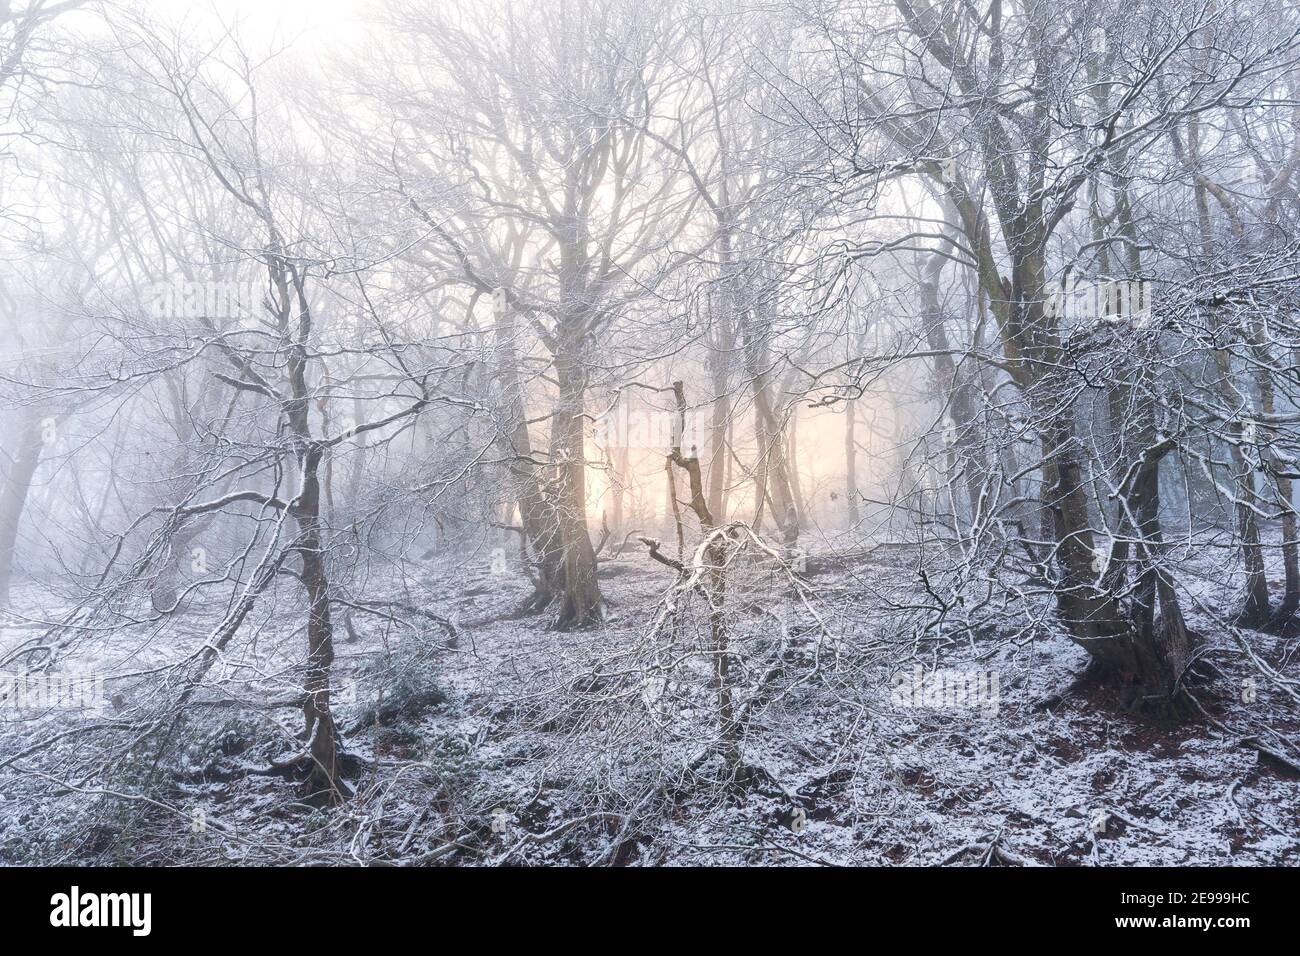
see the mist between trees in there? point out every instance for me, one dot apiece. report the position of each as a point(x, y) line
point(634, 380)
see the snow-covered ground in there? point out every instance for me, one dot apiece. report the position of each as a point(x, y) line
point(518, 744)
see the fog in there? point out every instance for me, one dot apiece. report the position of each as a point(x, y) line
point(495, 433)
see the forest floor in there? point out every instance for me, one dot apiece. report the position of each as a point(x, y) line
point(521, 745)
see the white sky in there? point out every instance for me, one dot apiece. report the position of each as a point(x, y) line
point(300, 22)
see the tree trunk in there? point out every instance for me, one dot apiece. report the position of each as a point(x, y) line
point(1282, 618)
point(720, 375)
point(715, 558)
point(579, 598)
point(22, 468)
point(1271, 467)
point(541, 532)
point(323, 780)
point(960, 390)
point(851, 461)
point(618, 469)
point(772, 472)
point(1143, 659)
point(322, 736)
point(1255, 603)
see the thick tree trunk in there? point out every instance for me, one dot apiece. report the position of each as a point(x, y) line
point(541, 531)
point(1142, 662)
point(554, 511)
point(1142, 657)
point(1161, 644)
point(579, 597)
